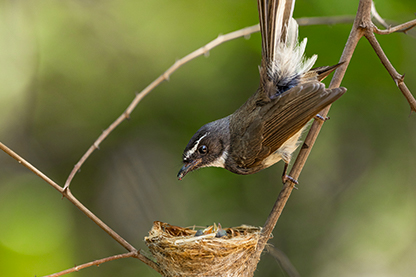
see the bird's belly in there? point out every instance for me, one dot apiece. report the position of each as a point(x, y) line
point(272, 159)
point(285, 151)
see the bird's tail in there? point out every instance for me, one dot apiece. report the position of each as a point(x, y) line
point(283, 55)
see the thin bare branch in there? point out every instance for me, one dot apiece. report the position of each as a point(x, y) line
point(67, 193)
point(377, 16)
point(283, 261)
point(165, 76)
point(369, 30)
point(325, 20)
point(310, 139)
point(399, 28)
point(96, 263)
point(26, 164)
point(398, 78)
point(363, 18)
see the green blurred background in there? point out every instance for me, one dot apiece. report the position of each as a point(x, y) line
point(68, 69)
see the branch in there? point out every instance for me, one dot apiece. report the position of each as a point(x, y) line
point(398, 78)
point(283, 261)
point(399, 28)
point(165, 76)
point(377, 16)
point(325, 20)
point(370, 29)
point(67, 194)
point(96, 262)
point(362, 27)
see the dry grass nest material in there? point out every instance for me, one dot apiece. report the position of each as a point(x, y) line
point(213, 252)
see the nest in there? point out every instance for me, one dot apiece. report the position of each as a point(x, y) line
point(210, 252)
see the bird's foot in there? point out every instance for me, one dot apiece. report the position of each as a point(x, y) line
point(321, 118)
point(287, 178)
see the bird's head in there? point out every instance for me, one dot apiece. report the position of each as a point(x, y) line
point(207, 147)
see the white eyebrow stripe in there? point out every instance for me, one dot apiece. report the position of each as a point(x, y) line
point(193, 149)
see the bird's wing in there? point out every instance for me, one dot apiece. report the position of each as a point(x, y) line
point(293, 110)
point(259, 130)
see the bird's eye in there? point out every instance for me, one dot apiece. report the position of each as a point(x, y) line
point(202, 149)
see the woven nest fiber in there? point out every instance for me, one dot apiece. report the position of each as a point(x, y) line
point(210, 252)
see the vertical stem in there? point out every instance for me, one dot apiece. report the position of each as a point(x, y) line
point(363, 15)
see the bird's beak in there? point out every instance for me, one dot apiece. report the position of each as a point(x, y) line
point(188, 167)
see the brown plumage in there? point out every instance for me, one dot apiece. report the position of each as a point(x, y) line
point(267, 127)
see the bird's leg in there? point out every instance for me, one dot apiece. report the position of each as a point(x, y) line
point(320, 117)
point(286, 177)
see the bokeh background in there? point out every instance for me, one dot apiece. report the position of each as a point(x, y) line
point(68, 69)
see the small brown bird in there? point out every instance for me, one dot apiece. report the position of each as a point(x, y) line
point(267, 128)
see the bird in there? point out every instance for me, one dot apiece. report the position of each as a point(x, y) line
point(267, 128)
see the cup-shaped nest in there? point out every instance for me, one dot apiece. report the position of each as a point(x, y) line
point(210, 252)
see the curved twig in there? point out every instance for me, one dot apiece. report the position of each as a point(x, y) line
point(325, 20)
point(67, 193)
point(398, 78)
point(96, 263)
point(165, 76)
point(399, 28)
